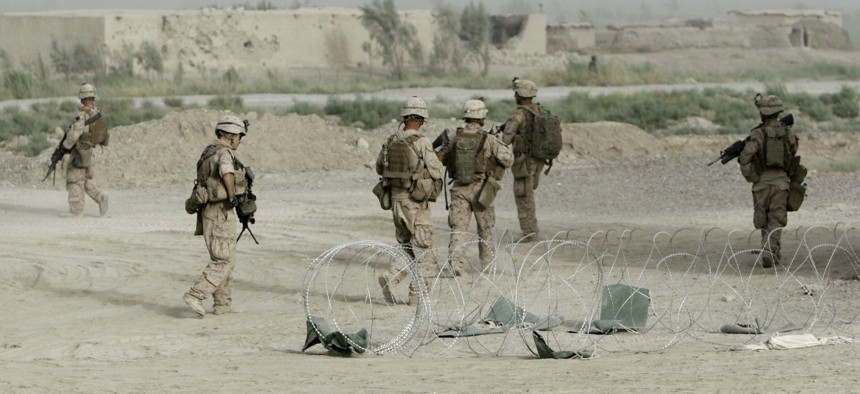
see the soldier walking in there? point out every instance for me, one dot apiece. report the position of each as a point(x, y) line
point(768, 161)
point(476, 161)
point(86, 132)
point(413, 174)
point(223, 176)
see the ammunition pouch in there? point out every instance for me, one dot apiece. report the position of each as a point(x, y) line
point(750, 172)
point(199, 197)
point(383, 194)
point(796, 195)
point(520, 168)
point(426, 189)
point(82, 156)
point(488, 193)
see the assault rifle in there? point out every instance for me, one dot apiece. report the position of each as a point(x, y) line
point(734, 150)
point(246, 209)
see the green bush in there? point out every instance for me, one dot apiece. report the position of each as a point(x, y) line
point(372, 113)
point(231, 103)
point(306, 108)
point(18, 84)
point(173, 102)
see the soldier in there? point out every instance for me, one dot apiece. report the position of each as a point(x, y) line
point(226, 185)
point(526, 169)
point(766, 162)
point(476, 162)
point(86, 132)
point(410, 169)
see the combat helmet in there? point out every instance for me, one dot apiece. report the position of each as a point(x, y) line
point(525, 88)
point(230, 123)
point(768, 105)
point(414, 106)
point(474, 109)
point(87, 91)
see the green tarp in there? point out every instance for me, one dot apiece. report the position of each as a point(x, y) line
point(502, 316)
point(337, 343)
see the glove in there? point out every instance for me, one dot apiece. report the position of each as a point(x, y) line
point(234, 202)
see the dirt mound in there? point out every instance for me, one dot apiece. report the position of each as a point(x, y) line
point(165, 151)
point(607, 140)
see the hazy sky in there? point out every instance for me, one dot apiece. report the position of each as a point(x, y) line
point(602, 11)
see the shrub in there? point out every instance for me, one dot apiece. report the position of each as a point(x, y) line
point(372, 113)
point(173, 102)
point(19, 84)
point(232, 103)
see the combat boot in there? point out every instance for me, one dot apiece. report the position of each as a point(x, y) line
point(194, 303)
point(386, 282)
point(103, 204)
point(223, 309)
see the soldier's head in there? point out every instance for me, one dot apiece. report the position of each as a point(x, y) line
point(87, 94)
point(768, 106)
point(524, 90)
point(414, 112)
point(232, 129)
point(474, 111)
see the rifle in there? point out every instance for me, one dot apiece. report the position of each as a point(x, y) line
point(734, 150)
point(58, 154)
point(441, 142)
point(246, 209)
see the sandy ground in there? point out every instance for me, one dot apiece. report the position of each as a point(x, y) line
point(93, 304)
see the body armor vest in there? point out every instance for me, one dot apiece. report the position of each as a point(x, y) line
point(209, 176)
point(400, 162)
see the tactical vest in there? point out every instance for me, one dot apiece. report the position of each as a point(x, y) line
point(468, 164)
point(776, 150)
point(95, 133)
point(209, 175)
point(400, 162)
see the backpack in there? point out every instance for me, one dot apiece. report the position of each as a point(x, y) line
point(545, 140)
point(777, 153)
point(466, 148)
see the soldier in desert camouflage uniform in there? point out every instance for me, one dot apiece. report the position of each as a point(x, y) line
point(86, 132)
point(476, 161)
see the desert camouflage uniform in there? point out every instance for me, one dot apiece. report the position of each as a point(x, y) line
point(463, 206)
point(517, 132)
point(413, 222)
point(219, 233)
point(79, 179)
point(770, 191)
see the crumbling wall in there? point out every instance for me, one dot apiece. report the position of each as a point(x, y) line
point(24, 37)
point(569, 37)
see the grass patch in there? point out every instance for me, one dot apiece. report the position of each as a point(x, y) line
point(844, 165)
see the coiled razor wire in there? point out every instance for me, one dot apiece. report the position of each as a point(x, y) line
point(698, 280)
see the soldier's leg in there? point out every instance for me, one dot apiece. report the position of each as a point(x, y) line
point(524, 198)
point(223, 296)
point(760, 206)
point(219, 232)
point(486, 221)
point(389, 279)
point(422, 245)
point(75, 180)
point(777, 218)
point(459, 216)
point(95, 193)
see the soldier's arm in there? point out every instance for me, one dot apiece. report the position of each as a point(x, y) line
point(511, 127)
point(75, 131)
point(751, 147)
point(502, 153)
point(424, 148)
point(379, 160)
point(226, 169)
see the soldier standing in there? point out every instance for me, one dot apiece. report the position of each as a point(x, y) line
point(476, 161)
point(412, 172)
point(766, 161)
point(223, 176)
point(86, 132)
point(525, 169)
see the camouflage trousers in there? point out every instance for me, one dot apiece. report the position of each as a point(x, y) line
point(524, 194)
point(770, 214)
point(79, 184)
point(459, 216)
point(413, 228)
point(219, 233)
